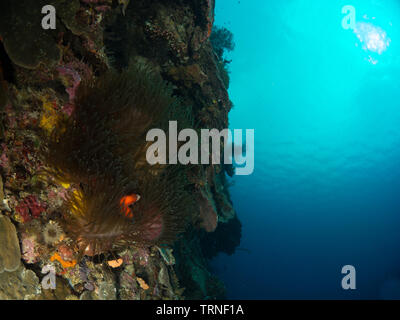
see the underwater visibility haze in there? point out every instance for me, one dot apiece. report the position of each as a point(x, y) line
point(325, 105)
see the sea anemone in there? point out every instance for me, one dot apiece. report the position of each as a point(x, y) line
point(96, 217)
point(52, 233)
point(106, 132)
point(99, 151)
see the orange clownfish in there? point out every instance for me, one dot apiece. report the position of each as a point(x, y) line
point(126, 201)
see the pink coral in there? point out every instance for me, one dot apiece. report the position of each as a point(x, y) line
point(72, 74)
point(72, 78)
point(56, 194)
point(30, 253)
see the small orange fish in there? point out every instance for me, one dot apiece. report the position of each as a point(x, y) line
point(126, 201)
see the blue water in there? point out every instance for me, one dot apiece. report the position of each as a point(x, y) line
point(325, 191)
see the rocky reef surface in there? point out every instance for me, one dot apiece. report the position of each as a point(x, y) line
point(40, 72)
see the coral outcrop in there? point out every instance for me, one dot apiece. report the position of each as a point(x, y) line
point(10, 253)
point(75, 104)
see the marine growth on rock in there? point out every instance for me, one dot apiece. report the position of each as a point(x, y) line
point(81, 209)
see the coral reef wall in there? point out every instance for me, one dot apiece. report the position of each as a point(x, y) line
point(40, 74)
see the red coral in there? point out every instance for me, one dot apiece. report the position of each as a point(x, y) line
point(30, 208)
point(65, 252)
point(23, 210)
point(35, 207)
